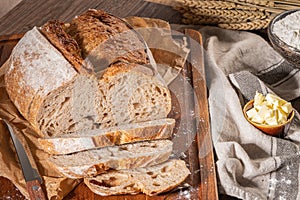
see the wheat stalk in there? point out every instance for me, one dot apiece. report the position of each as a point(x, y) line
point(266, 8)
point(259, 2)
point(286, 7)
point(211, 20)
point(207, 4)
point(244, 14)
point(270, 9)
point(243, 7)
point(210, 4)
point(233, 14)
point(287, 2)
point(253, 25)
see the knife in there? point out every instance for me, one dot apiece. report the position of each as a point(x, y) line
point(32, 178)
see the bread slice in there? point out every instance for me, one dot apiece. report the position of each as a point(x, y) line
point(132, 95)
point(149, 180)
point(97, 161)
point(74, 142)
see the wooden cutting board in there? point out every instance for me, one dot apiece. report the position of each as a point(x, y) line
point(199, 155)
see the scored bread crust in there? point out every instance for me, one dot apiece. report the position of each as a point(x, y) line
point(98, 32)
point(74, 142)
point(151, 180)
point(55, 33)
point(94, 27)
point(96, 161)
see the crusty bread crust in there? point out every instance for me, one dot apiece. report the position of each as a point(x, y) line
point(55, 33)
point(97, 161)
point(106, 39)
point(149, 180)
point(94, 27)
point(75, 142)
point(33, 73)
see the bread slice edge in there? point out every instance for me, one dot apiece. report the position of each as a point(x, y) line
point(75, 142)
point(151, 180)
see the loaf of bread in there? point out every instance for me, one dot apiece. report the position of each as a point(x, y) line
point(149, 180)
point(127, 156)
point(96, 138)
point(58, 92)
point(99, 105)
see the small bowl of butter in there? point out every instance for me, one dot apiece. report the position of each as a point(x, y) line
point(270, 114)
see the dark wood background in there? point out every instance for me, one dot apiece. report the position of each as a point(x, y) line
point(30, 13)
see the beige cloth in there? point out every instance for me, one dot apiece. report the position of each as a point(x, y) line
point(250, 164)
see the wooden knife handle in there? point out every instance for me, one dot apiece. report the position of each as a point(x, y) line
point(35, 190)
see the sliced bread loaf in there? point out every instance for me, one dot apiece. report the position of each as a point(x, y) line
point(149, 180)
point(134, 132)
point(57, 95)
point(97, 161)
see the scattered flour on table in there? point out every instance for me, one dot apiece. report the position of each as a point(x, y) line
point(288, 29)
point(186, 193)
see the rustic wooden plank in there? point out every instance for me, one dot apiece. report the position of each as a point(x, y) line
point(185, 146)
point(205, 147)
point(29, 13)
point(5, 50)
point(207, 191)
point(10, 38)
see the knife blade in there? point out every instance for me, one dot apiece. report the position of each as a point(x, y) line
point(31, 175)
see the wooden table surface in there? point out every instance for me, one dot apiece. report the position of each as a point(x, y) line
point(30, 13)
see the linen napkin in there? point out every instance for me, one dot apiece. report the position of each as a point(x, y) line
point(250, 164)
